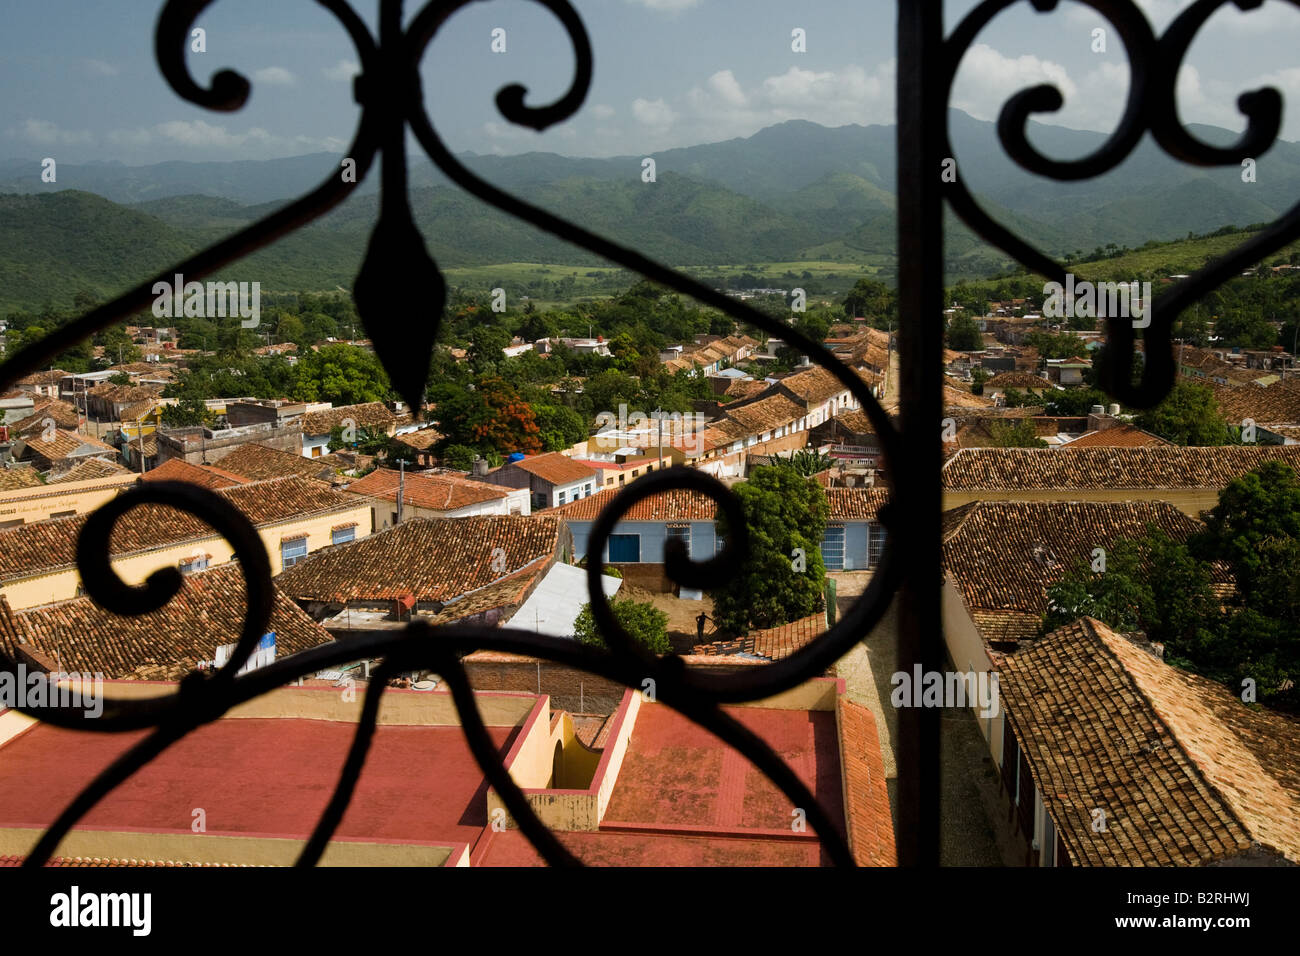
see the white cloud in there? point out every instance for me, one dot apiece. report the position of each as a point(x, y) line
point(45, 133)
point(602, 112)
point(666, 6)
point(130, 137)
point(100, 68)
point(342, 71)
point(274, 76)
point(209, 136)
point(653, 113)
point(987, 79)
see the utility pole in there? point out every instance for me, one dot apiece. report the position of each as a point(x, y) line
point(139, 427)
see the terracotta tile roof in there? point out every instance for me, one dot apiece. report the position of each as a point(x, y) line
point(1120, 436)
point(149, 443)
point(12, 479)
point(855, 420)
point(257, 461)
point(1278, 403)
point(870, 821)
point(128, 394)
point(367, 415)
point(1018, 380)
point(177, 469)
point(145, 368)
point(65, 416)
point(771, 643)
point(1004, 554)
point(814, 385)
point(440, 492)
point(590, 728)
point(980, 433)
point(90, 469)
point(165, 644)
point(675, 505)
point(1186, 774)
point(62, 444)
point(137, 411)
point(954, 397)
point(51, 377)
point(49, 545)
point(856, 504)
point(765, 414)
point(422, 440)
point(509, 592)
point(744, 388)
point(434, 559)
point(555, 468)
point(1160, 467)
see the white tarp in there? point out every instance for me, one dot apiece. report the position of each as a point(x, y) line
point(553, 606)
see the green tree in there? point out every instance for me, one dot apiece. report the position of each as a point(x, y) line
point(872, 299)
point(460, 457)
point(186, 413)
point(342, 375)
point(1253, 508)
point(1019, 433)
point(643, 622)
point(964, 335)
point(1246, 328)
point(1118, 595)
point(808, 462)
point(118, 347)
point(1187, 416)
point(782, 577)
point(485, 348)
point(559, 427)
point(490, 418)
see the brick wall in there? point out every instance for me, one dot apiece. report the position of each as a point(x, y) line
point(568, 686)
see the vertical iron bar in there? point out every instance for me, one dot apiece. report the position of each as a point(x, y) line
point(920, 118)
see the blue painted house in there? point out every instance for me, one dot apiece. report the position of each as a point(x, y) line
point(640, 537)
point(854, 537)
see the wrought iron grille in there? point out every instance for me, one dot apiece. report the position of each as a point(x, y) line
point(389, 92)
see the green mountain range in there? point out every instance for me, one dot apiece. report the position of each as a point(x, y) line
point(792, 192)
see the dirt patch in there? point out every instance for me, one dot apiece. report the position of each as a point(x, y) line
point(681, 614)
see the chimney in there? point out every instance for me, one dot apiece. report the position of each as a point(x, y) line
point(480, 467)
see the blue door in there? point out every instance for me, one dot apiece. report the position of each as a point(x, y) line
point(624, 548)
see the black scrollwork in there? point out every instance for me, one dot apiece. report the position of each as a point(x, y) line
point(390, 97)
point(1151, 104)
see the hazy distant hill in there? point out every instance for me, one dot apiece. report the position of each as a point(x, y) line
point(790, 192)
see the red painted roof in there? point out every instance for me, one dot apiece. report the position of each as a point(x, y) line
point(255, 775)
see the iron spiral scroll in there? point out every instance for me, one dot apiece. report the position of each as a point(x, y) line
point(389, 93)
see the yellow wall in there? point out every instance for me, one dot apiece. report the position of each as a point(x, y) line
point(815, 694)
point(569, 803)
point(967, 651)
point(190, 847)
point(408, 708)
point(61, 585)
point(12, 723)
point(37, 504)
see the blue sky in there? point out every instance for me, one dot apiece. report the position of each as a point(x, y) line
point(82, 85)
